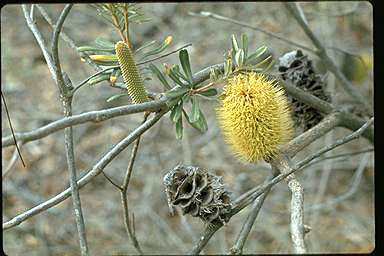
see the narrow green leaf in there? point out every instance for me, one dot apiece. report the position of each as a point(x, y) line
point(259, 55)
point(209, 92)
point(94, 49)
point(244, 40)
point(174, 75)
point(186, 97)
point(172, 102)
point(227, 67)
point(179, 129)
point(176, 112)
point(176, 92)
point(202, 123)
point(235, 45)
point(184, 60)
point(239, 57)
point(117, 96)
point(97, 79)
point(160, 76)
point(195, 109)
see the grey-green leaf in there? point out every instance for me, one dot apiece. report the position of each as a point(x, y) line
point(176, 112)
point(244, 39)
point(179, 129)
point(210, 92)
point(160, 76)
point(184, 60)
point(176, 92)
point(239, 57)
point(235, 45)
point(195, 113)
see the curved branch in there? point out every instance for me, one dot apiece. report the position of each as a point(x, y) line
point(96, 169)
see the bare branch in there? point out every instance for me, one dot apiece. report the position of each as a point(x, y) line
point(339, 142)
point(40, 40)
point(95, 170)
point(55, 52)
point(297, 214)
point(94, 116)
point(129, 224)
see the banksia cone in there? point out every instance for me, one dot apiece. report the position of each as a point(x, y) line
point(132, 79)
point(294, 66)
point(198, 193)
point(255, 117)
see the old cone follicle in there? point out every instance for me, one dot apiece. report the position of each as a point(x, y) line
point(255, 117)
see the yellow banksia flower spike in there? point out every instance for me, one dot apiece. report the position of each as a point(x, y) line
point(132, 78)
point(255, 117)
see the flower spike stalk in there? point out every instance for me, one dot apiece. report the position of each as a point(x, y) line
point(132, 78)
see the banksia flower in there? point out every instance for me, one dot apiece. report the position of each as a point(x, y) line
point(255, 117)
point(132, 79)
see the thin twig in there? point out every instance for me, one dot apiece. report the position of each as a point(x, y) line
point(95, 170)
point(222, 18)
point(339, 156)
point(356, 179)
point(164, 55)
point(129, 224)
point(55, 52)
point(41, 41)
point(337, 143)
point(67, 39)
point(12, 131)
point(248, 224)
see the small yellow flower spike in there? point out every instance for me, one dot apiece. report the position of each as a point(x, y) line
point(132, 78)
point(168, 40)
point(254, 116)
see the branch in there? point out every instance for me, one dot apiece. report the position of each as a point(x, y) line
point(339, 142)
point(247, 226)
point(321, 52)
point(297, 214)
point(356, 179)
point(40, 40)
point(94, 116)
point(65, 87)
point(55, 52)
point(226, 19)
point(95, 170)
